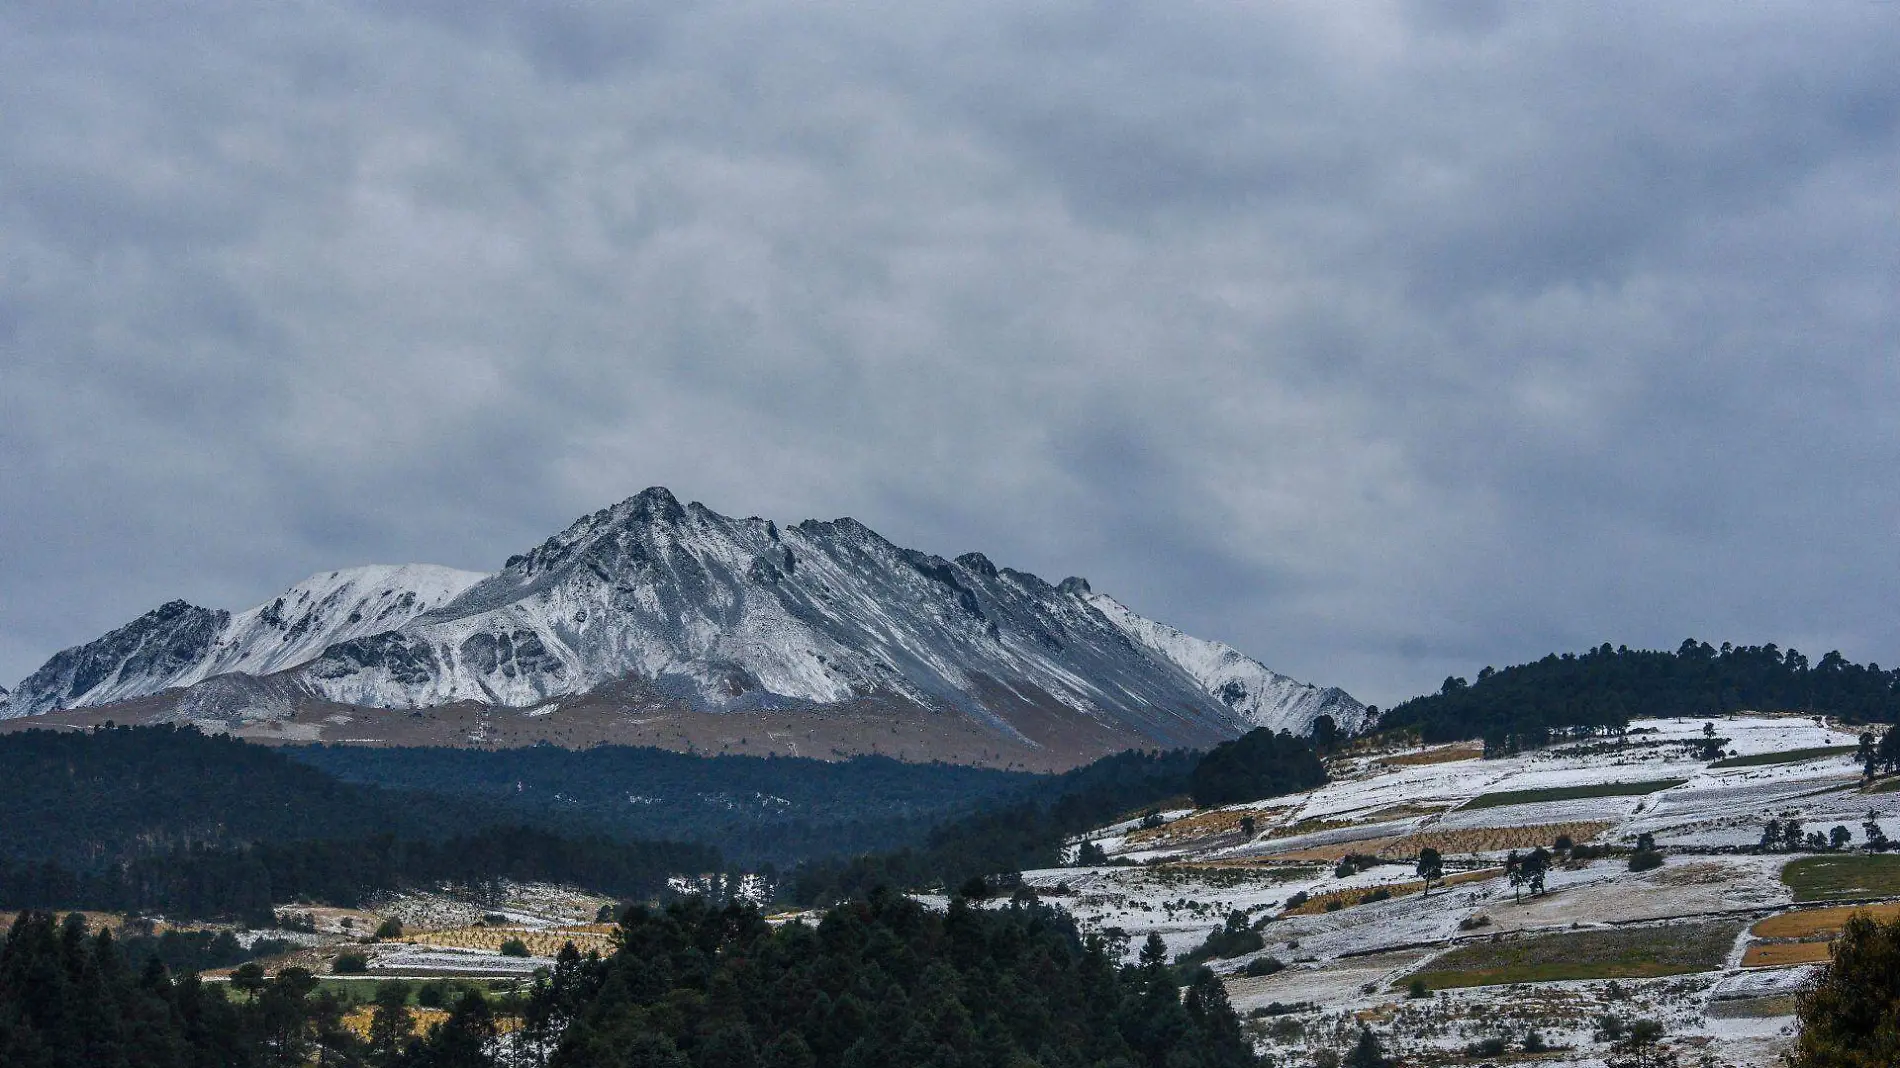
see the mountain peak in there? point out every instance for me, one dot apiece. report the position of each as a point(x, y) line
point(705, 613)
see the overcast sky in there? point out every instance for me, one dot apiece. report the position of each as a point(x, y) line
point(1381, 340)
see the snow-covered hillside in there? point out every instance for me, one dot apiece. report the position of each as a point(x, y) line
point(724, 614)
point(1711, 940)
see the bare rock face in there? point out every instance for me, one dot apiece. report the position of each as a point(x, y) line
point(712, 613)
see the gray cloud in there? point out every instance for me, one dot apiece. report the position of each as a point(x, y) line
point(1381, 340)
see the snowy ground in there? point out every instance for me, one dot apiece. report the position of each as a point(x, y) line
point(1348, 966)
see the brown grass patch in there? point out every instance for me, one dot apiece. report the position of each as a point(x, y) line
point(1348, 898)
point(1460, 751)
point(1782, 954)
point(420, 1019)
point(1810, 924)
point(1311, 825)
point(1493, 839)
point(1200, 825)
point(1332, 854)
point(545, 943)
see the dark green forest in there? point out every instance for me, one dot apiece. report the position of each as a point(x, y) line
point(877, 982)
point(82, 800)
point(244, 882)
point(1258, 764)
point(777, 810)
point(1006, 838)
point(1604, 687)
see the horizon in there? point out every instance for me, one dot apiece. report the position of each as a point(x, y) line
point(1380, 343)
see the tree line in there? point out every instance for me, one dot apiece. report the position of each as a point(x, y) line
point(1523, 705)
point(875, 982)
point(245, 882)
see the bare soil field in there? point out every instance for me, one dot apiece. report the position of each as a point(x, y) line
point(1447, 755)
point(1492, 839)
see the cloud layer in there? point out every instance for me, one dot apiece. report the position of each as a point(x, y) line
point(1381, 340)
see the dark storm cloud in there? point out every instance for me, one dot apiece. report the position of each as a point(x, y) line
point(1383, 341)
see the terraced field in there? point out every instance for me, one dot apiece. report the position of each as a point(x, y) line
point(1571, 793)
point(1493, 839)
point(1637, 953)
point(1845, 875)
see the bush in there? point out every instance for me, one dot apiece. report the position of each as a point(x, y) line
point(1378, 894)
point(1260, 966)
point(1534, 1042)
point(349, 963)
point(1645, 860)
point(1332, 905)
point(1487, 1047)
point(1297, 900)
point(494, 919)
point(1472, 923)
point(390, 928)
point(1418, 989)
point(514, 947)
point(606, 914)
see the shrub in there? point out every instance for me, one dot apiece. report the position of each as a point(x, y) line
point(390, 928)
point(1260, 966)
point(514, 947)
point(606, 914)
point(1418, 989)
point(349, 963)
point(1332, 905)
point(1297, 900)
point(1534, 1042)
point(1472, 923)
point(494, 919)
point(1487, 1047)
point(1564, 843)
point(1344, 869)
point(1378, 894)
point(1645, 860)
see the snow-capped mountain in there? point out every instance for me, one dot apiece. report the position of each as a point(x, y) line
point(1257, 694)
point(722, 614)
point(179, 644)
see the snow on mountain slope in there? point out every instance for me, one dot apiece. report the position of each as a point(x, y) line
point(328, 608)
point(1259, 695)
point(179, 644)
point(721, 614)
point(731, 613)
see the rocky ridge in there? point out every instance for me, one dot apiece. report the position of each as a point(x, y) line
point(712, 613)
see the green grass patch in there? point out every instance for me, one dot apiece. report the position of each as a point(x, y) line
point(1571, 793)
point(1847, 875)
point(1787, 756)
point(1641, 953)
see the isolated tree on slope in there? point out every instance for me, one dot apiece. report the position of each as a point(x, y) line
point(1431, 867)
point(1535, 867)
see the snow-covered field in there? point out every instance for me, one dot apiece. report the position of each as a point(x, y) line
point(1351, 966)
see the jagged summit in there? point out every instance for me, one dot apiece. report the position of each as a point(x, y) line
point(719, 613)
